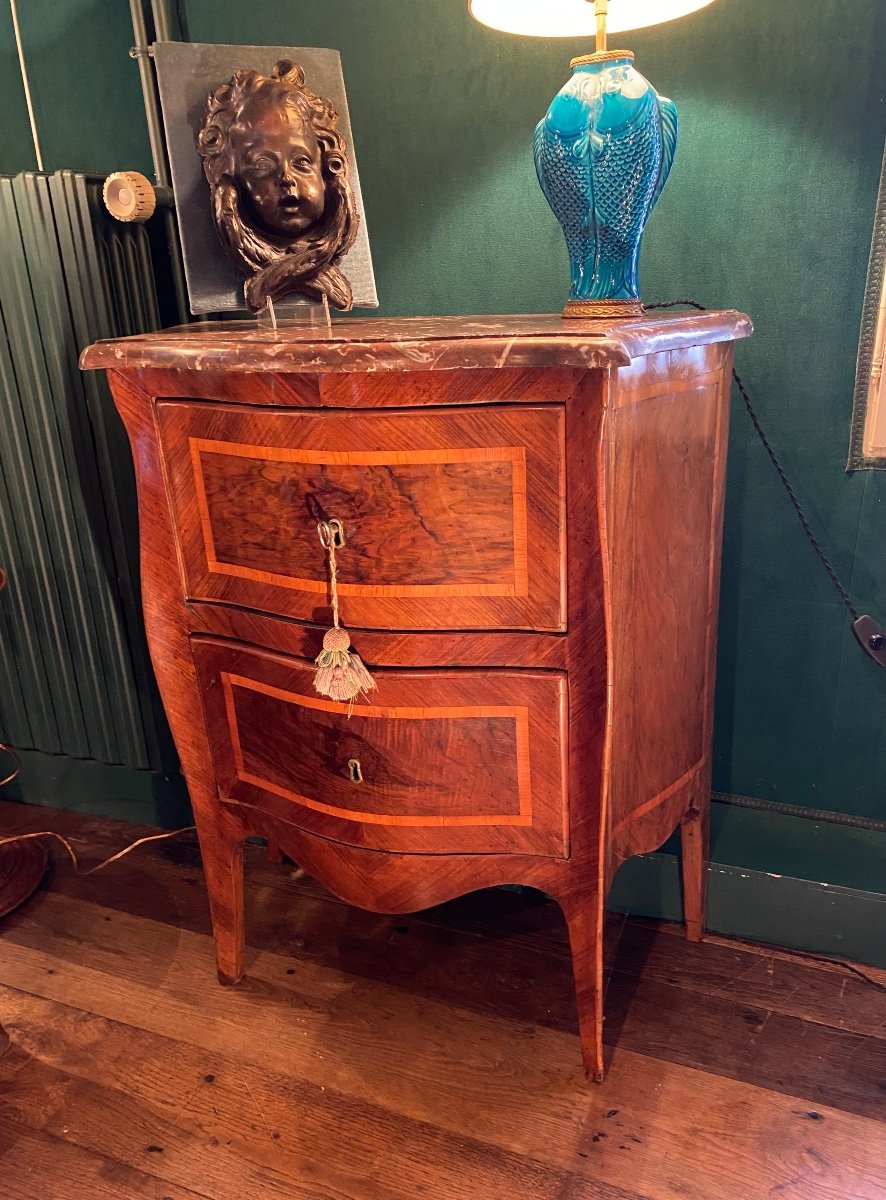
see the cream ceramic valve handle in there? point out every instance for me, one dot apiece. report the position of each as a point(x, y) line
point(130, 196)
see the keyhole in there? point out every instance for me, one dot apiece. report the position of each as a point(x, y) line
point(331, 534)
point(355, 770)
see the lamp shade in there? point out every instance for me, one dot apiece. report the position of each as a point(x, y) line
point(575, 18)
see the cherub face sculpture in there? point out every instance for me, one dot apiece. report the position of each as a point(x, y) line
point(278, 175)
point(278, 170)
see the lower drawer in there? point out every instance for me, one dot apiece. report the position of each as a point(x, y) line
point(440, 762)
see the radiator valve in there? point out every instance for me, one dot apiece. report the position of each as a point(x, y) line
point(130, 196)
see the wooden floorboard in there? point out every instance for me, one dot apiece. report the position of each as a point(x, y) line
point(36, 1164)
point(220, 1124)
point(754, 976)
point(384, 1058)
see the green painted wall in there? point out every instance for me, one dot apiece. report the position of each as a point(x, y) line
point(769, 209)
point(85, 88)
point(16, 148)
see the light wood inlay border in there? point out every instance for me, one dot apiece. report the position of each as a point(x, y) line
point(515, 455)
point(659, 799)
point(518, 713)
point(657, 389)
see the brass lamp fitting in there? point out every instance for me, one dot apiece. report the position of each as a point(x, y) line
point(601, 9)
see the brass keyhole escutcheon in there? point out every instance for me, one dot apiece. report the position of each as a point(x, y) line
point(355, 770)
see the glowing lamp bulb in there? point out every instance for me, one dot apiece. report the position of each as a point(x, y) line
point(576, 18)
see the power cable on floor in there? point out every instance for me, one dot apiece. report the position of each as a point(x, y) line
point(154, 837)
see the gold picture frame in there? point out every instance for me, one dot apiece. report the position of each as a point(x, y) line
point(867, 443)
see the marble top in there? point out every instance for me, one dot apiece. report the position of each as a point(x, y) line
point(416, 343)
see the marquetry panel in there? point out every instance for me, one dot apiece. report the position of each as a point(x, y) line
point(452, 519)
point(432, 761)
point(666, 439)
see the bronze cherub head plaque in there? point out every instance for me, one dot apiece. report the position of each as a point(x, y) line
point(278, 173)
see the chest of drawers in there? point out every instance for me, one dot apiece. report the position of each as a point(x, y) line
point(531, 511)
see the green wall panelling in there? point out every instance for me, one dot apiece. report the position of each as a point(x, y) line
point(779, 843)
point(110, 285)
point(63, 445)
point(24, 720)
point(756, 906)
point(106, 790)
point(769, 209)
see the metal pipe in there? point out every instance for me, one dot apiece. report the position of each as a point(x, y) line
point(24, 73)
point(142, 54)
point(824, 815)
point(161, 21)
point(179, 284)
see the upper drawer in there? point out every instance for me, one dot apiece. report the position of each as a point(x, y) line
point(453, 519)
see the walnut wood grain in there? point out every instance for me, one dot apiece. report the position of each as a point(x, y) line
point(608, 650)
point(451, 520)
point(222, 830)
point(448, 762)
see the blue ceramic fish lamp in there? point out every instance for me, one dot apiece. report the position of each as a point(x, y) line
point(604, 149)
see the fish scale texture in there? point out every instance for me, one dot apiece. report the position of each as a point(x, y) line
point(625, 172)
point(567, 183)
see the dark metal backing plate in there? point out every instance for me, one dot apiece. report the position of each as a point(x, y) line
point(187, 72)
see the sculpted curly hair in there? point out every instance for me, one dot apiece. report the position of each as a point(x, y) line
point(275, 268)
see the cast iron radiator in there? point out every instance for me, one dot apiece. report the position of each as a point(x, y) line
point(74, 672)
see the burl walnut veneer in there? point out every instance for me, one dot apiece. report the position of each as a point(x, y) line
point(532, 514)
